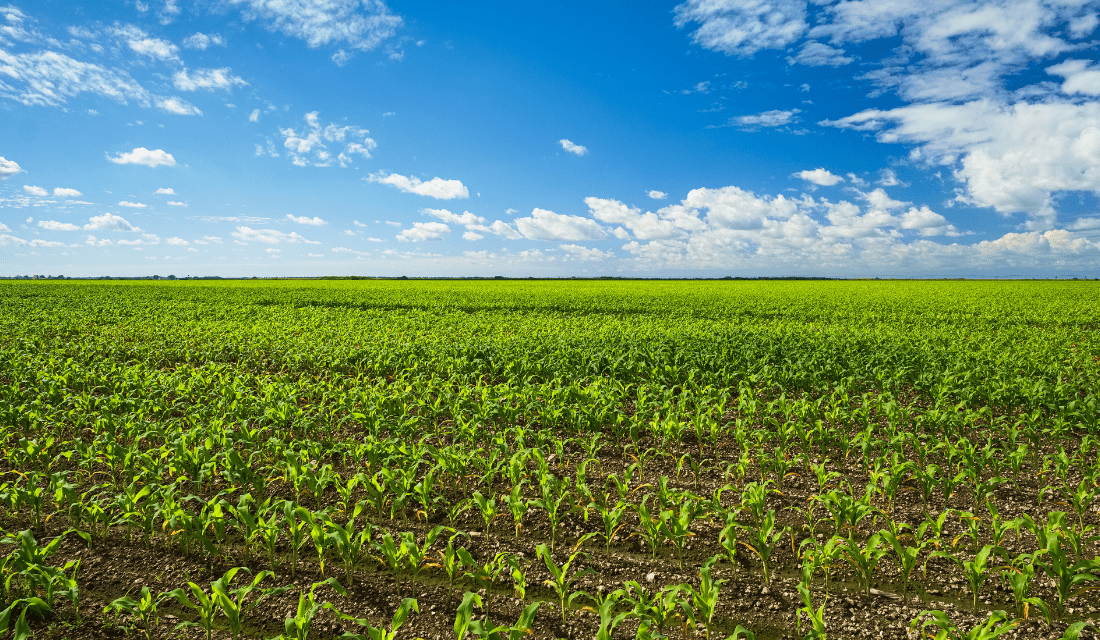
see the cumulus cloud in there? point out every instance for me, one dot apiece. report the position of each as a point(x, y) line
point(422, 231)
point(132, 205)
point(207, 79)
point(143, 156)
point(575, 149)
point(466, 219)
point(109, 222)
point(1081, 77)
point(35, 191)
point(178, 107)
point(437, 188)
point(7, 240)
point(471, 236)
point(766, 119)
point(820, 176)
point(177, 242)
point(743, 27)
point(1012, 158)
point(142, 44)
point(656, 195)
point(254, 116)
point(505, 230)
point(314, 221)
point(63, 192)
point(360, 24)
point(268, 236)
point(582, 253)
point(165, 191)
point(310, 146)
point(203, 41)
point(53, 225)
point(173, 203)
point(816, 54)
point(8, 168)
point(547, 225)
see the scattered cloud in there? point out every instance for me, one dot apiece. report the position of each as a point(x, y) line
point(203, 41)
point(254, 116)
point(165, 191)
point(268, 236)
point(422, 231)
point(109, 222)
point(177, 242)
point(585, 254)
point(505, 230)
point(362, 25)
point(207, 79)
point(820, 176)
point(314, 221)
point(141, 155)
point(142, 44)
point(743, 27)
point(309, 147)
point(8, 168)
point(178, 107)
point(62, 192)
point(132, 205)
point(547, 225)
point(173, 203)
point(471, 236)
point(766, 119)
point(357, 254)
point(816, 54)
point(35, 191)
point(466, 219)
point(575, 149)
point(53, 225)
point(437, 188)
point(656, 195)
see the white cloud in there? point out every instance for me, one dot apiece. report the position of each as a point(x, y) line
point(203, 41)
point(4, 227)
point(357, 254)
point(98, 242)
point(820, 176)
point(578, 252)
point(362, 24)
point(53, 225)
point(209, 240)
point(109, 222)
point(7, 240)
point(178, 107)
point(268, 236)
point(656, 195)
point(35, 191)
point(1011, 158)
point(816, 54)
point(62, 192)
point(575, 149)
point(144, 240)
point(471, 236)
point(505, 230)
point(142, 44)
point(254, 116)
point(314, 221)
point(743, 27)
point(173, 203)
point(422, 231)
point(141, 155)
point(437, 188)
point(177, 242)
point(1085, 224)
point(8, 168)
point(132, 205)
point(165, 191)
point(927, 222)
point(1082, 77)
point(645, 226)
point(207, 79)
point(357, 223)
point(467, 219)
point(888, 178)
point(773, 118)
point(309, 148)
point(547, 225)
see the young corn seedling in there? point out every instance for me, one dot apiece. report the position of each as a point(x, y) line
point(561, 581)
point(233, 603)
point(484, 575)
point(906, 556)
point(612, 523)
point(144, 609)
point(451, 562)
point(704, 600)
point(605, 609)
point(488, 509)
point(1020, 574)
point(556, 501)
point(763, 539)
point(517, 505)
point(425, 494)
point(392, 556)
point(1066, 576)
point(206, 607)
point(380, 632)
point(996, 625)
point(864, 559)
point(488, 631)
point(349, 546)
point(297, 627)
point(677, 529)
point(815, 618)
point(975, 571)
point(416, 558)
point(652, 525)
point(654, 609)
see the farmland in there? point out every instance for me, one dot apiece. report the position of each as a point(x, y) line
point(569, 459)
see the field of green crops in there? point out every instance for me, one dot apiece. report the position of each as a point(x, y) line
point(592, 459)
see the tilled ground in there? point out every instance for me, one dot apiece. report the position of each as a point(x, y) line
point(117, 565)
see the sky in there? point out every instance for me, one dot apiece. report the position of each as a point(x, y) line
point(707, 138)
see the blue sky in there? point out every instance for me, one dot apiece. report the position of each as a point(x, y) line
point(705, 138)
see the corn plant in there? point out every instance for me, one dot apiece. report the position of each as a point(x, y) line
point(561, 580)
point(652, 525)
point(452, 563)
point(864, 559)
point(144, 609)
point(349, 545)
point(677, 529)
point(763, 539)
point(233, 603)
point(995, 625)
point(556, 501)
point(380, 632)
point(297, 627)
point(654, 609)
point(416, 558)
point(906, 555)
point(484, 574)
point(815, 618)
point(704, 600)
point(517, 505)
point(205, 606)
